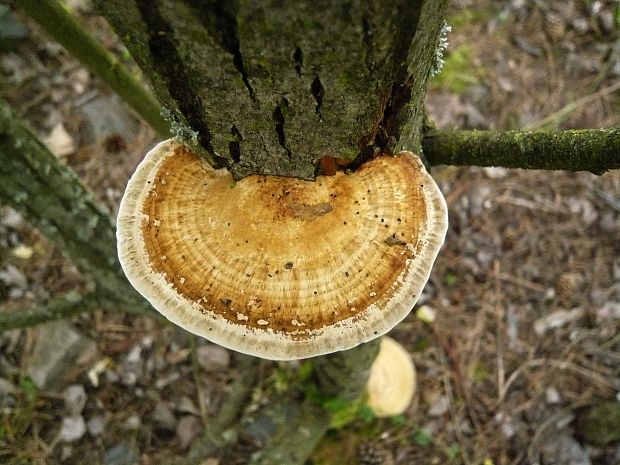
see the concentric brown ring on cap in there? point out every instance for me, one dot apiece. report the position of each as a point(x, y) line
point(276, 267)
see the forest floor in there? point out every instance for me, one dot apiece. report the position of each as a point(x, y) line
point(526, 289)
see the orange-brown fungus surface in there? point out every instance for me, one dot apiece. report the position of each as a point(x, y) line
point(282, 252)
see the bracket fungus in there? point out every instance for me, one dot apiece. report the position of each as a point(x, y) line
point(392, 380)
point(275, 267)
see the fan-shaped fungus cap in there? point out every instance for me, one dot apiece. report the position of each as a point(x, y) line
point(392, 380)
point(277, 267)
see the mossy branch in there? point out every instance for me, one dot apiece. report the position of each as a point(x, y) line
point(58, 308)
point(54, 18)
point(594, 150)
point(51, 197)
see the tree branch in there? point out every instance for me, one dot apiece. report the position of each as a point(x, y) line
point(50, 196)
point(58, 308)
point(54, 18)
point(594, 150)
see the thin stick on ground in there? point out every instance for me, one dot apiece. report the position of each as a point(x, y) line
point(559, 364)
point(555, 119)
point(197, 381)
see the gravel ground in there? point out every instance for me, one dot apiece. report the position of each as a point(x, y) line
point(526, 291)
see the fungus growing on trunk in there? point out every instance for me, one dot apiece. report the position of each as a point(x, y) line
point(276, 267)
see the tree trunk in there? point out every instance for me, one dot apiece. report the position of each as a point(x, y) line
point(272, 87)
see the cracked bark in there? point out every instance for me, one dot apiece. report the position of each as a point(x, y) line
point(352, 74)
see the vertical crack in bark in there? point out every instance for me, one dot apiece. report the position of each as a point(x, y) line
point(298, 56)
point(389, 128)
point(388, 132)
point(367, 41)
point(318, 92)
point(278, 118)
point(234, 146)
point(219, 18)
point(170, 66)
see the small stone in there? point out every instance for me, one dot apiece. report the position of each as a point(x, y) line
point(13, 277)
point(609, 311)
point(75, 399)
point(565, 450)
point(133, 423)
point(210, 461)
point(185, 404)
point(556, 320)
point(439, 407)
point(72, 429)
point(12, 219)
point(131, 368)
point(66, 452)
point(163, 417)
point(23, 252)
point(167, 380)
point(426, 314)
point(96, 425)
point(59, 354)
point(580, 24)
point(104, 115)
point(506, 424)
point(213, 358)
point(552, 395)
point(495, 172)
point(60, 142)
point(187, 429)
point(120, 454)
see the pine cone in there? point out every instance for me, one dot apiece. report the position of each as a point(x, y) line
point(567, 285)
point(555, 26)
point(373, 454)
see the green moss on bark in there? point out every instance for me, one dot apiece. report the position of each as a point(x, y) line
point(594, 150)
point(50, 196)
point(271, 87)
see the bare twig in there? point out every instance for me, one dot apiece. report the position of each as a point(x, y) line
point(554, 119)
point(214, 437)
point(559, 364)
point(197, 381)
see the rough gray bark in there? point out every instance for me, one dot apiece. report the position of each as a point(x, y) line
point(272, 87)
